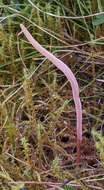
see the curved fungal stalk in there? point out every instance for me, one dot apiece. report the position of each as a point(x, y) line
point(71, 78)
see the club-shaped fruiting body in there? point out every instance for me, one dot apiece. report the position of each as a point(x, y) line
point(68, 73)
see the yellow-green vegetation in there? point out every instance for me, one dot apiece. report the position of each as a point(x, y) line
point(37, 114)
point(99, 143)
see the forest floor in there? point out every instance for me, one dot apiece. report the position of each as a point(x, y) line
point(38, 140)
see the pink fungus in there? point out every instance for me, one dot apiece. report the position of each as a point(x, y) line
point(71, 78)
